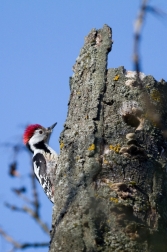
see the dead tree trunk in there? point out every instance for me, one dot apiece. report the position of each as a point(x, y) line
point(111, 188)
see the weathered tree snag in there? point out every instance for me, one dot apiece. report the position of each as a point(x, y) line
point(111, 188)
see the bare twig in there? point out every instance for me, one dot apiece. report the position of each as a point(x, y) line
point(137, 36)
point(17, 245)
point(36, 244)
point(156, 11)
point(37, 218)
point(26, 199)
point(10, 239)
point(145, 8)
point(26, 209)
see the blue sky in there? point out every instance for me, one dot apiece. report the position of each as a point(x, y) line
point(39, 43)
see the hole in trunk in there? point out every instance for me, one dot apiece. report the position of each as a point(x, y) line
point(131, 120)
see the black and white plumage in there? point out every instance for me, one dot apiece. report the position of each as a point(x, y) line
point(36, 138)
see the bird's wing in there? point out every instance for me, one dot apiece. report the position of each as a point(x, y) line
point(40, 168)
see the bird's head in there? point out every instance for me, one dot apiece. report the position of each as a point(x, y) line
point(35, 134)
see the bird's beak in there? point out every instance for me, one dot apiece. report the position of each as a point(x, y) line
point(51, 127)
point(49, 131)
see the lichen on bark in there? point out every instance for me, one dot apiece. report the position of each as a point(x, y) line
point(110, 188)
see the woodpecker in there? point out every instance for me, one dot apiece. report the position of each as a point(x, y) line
point(36, 138)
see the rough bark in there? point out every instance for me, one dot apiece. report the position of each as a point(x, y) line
point(111, 189)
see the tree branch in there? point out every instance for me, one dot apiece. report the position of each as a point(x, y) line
point(17, 245)
point(26, 209)
point(137, 36)
point(19, 194)
point(10, 239)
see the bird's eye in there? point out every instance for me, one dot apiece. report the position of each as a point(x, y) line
point(40, 132)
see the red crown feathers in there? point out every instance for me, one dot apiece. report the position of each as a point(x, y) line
point(29, 131)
